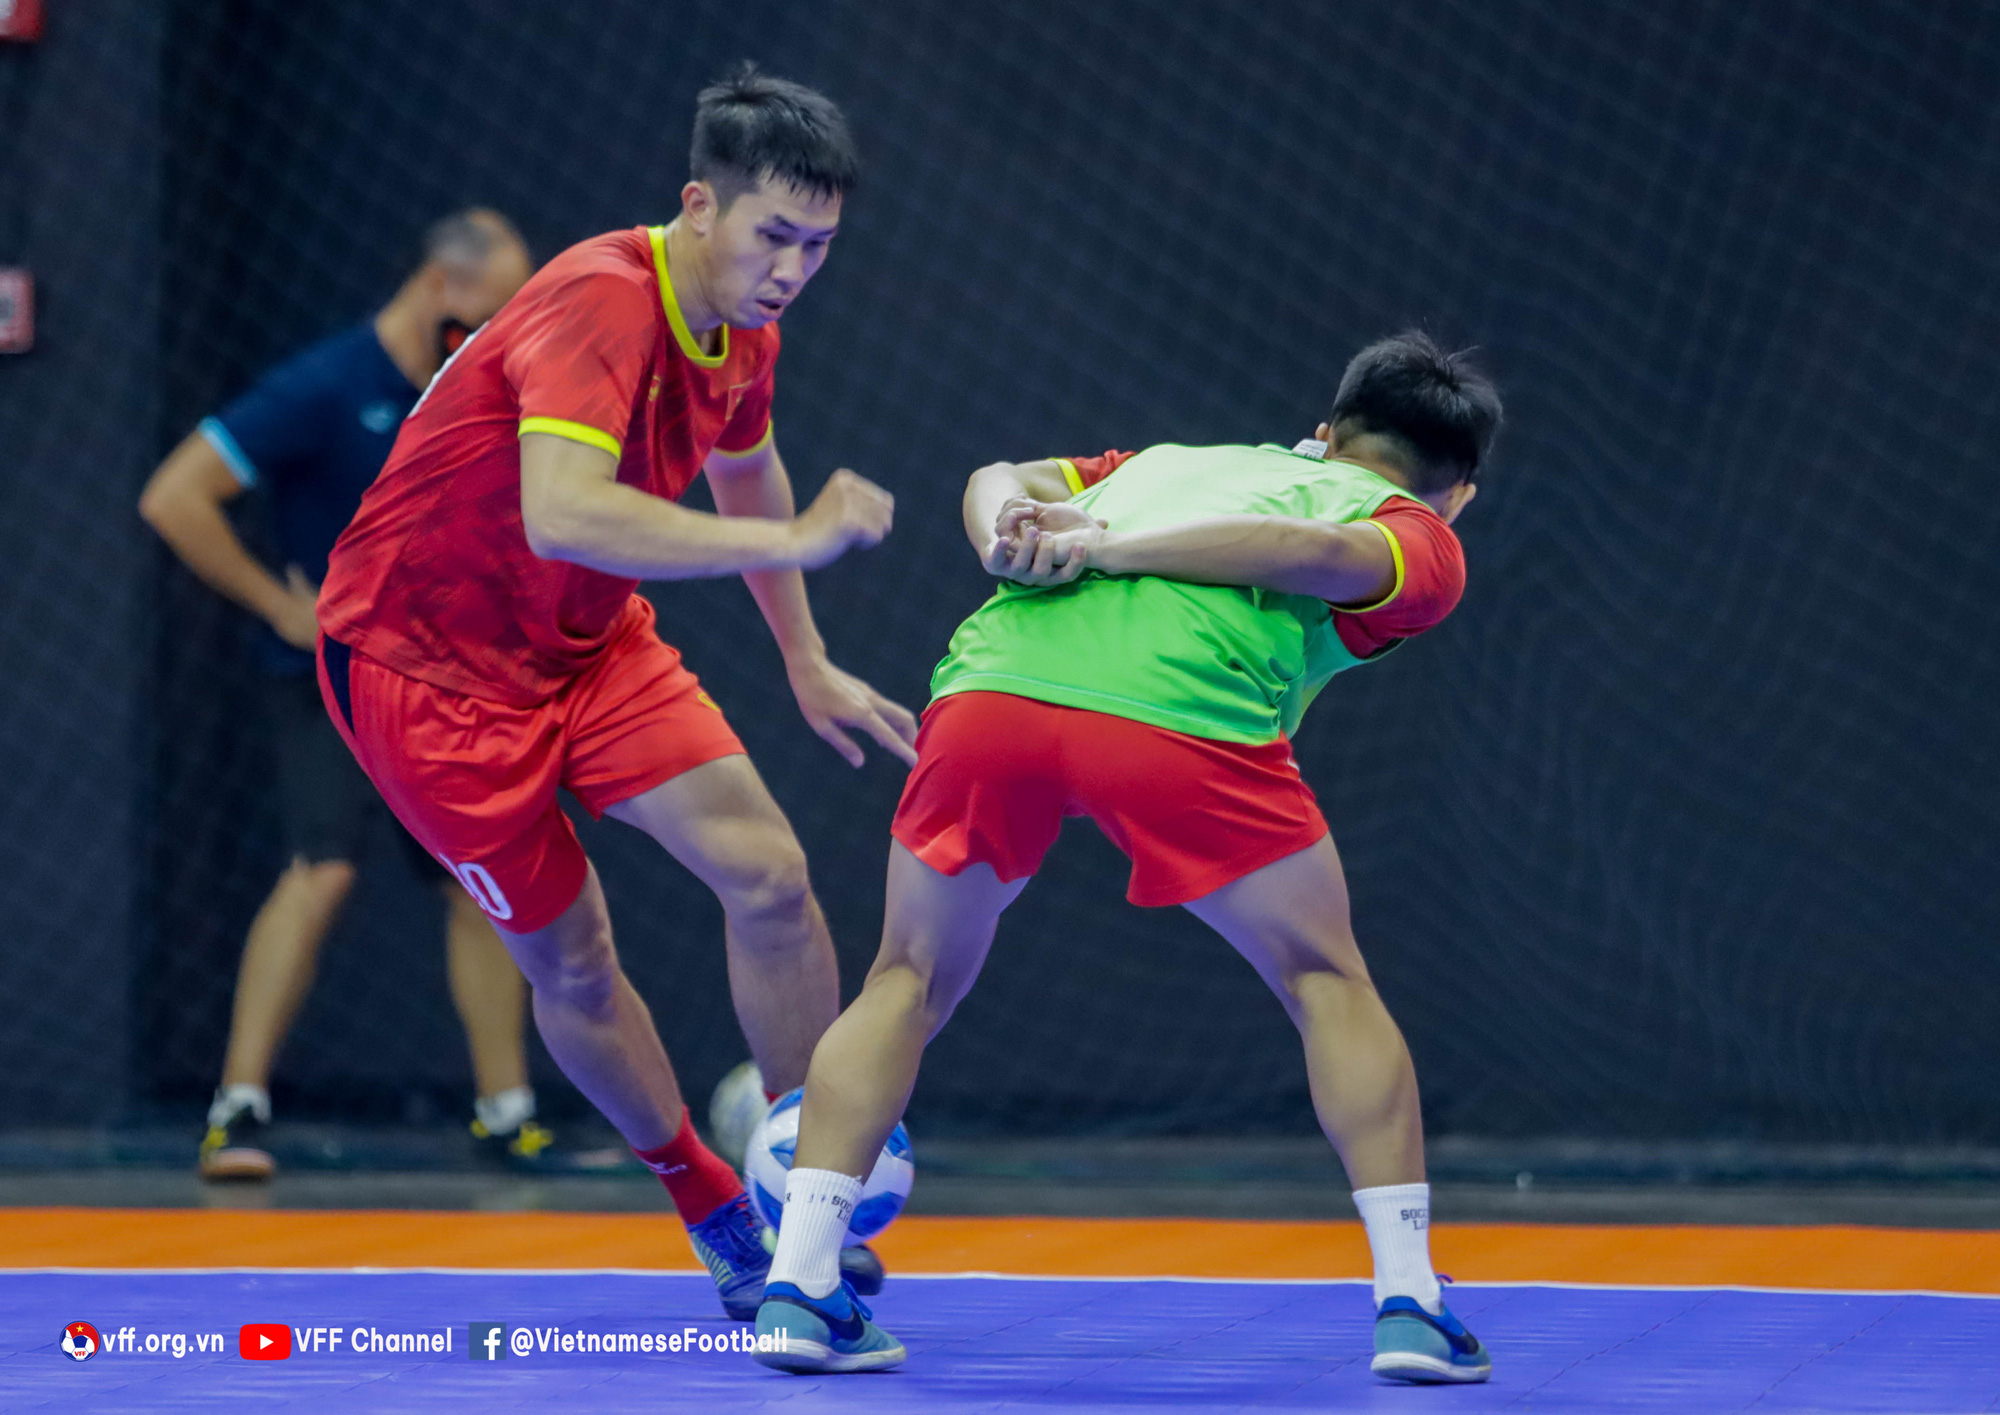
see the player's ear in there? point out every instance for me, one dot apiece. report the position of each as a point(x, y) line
point(1461, 497)
point(698, 203)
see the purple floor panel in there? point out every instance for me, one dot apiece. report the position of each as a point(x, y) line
point(988, 1344)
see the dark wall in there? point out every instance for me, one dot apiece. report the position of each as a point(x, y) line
point(1680, 827)
point(79, 203)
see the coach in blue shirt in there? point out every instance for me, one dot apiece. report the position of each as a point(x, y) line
point(312, 435)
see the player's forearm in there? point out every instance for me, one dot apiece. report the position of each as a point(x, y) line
point(198, 532)
point(623, 531)
point(1342, 564)
point(992, 487)
point(766, 491)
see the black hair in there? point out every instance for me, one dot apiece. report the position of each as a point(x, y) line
point(749, 126)
point(1436, 408)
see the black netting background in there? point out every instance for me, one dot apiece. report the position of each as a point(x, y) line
point(1682, 826)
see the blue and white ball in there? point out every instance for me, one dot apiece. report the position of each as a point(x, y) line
point(768, 1162)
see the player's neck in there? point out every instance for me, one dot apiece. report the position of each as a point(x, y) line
point(684, 270)
point(1358, 453)
point(407, 337)
point(1363, 451)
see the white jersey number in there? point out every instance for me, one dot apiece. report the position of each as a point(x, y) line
point(485, 891)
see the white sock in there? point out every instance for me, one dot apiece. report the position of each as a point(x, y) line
point(818, 1204)
point(1398, 1219)
point(232, 1100)
point(503, 1112)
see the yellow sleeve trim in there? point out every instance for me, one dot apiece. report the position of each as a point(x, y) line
point(1395, 554)
point(770, 431)
point(575, 432)
point(672, 306)
point(1070, 475)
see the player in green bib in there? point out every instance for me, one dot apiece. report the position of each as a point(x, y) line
point(1163, 621)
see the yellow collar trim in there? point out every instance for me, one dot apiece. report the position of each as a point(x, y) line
point(673, 308)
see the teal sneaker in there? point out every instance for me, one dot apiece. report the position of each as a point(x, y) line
point(735, 1247)
point(822, 1334)
point(1412, 1345)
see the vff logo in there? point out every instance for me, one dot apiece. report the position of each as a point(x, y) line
point(486, 1341)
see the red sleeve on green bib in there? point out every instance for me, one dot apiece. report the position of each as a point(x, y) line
point(1428, 588)
point(1082, 472)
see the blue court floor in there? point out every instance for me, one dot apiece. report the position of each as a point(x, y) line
point(984, 1344)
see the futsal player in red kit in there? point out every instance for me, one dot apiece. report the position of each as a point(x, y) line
point(482, 642)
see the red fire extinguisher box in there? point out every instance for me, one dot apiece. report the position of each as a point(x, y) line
point(21, 19)
point(17, 312)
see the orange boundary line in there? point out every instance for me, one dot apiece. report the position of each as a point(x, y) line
point(1838, 1258)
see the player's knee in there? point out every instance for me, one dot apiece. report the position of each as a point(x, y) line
point(588, 986)
point(582, 977)
point(1327, 988)
point(328, 881)
point(772, 888)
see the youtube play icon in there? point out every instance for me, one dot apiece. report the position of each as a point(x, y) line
point(265, 1341)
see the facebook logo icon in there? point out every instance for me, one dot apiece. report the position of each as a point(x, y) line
point(486, 1341)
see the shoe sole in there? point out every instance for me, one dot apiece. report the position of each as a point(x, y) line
point(240, 1164)
point(1419, 1369)
point(816, 1358)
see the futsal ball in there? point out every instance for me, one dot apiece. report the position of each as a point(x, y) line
point(768, 1162)
point(734, 1110)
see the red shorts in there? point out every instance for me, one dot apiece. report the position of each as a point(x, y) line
point(996, 774)
point(475, 780)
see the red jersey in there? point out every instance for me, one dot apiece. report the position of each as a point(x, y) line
point(434, 577)
point(1430, 565)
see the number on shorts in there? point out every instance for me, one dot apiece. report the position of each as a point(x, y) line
point(481, 886)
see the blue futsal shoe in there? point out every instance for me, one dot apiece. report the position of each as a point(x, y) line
point(735, 1247)
point(822, 1334)
point(1412, 1345)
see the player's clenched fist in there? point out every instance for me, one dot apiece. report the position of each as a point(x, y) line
point(849, 511)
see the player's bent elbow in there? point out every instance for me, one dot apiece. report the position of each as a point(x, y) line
point(1341, 567)
point(1010, 474)
point(547, 521)
point(158, 504)
point(541, 540)
point(563, 485)
point(976, 480)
